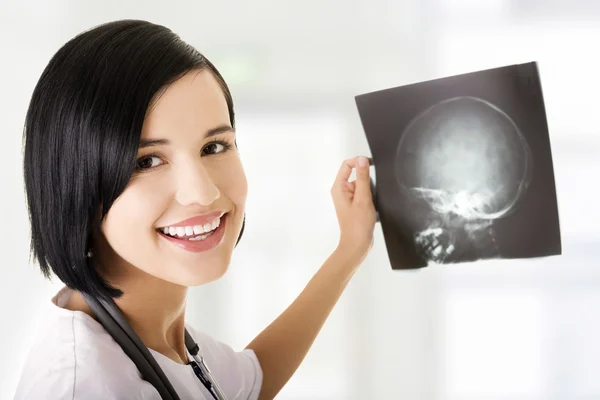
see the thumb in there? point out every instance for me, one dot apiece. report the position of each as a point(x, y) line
point(363, 182)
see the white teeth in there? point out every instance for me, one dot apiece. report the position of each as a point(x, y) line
point(182, 231)
point(201, 237)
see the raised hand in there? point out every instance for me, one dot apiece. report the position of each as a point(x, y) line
point(354, 208)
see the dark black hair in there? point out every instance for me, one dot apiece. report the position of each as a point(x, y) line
point(81, 136)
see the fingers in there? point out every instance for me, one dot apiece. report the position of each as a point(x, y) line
point(349, 187)
point(363, 182)
point(345, 171)
point(361, 187)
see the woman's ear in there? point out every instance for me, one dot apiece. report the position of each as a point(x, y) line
point(241, 231)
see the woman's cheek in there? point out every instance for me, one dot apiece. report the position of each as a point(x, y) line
point(231, 180)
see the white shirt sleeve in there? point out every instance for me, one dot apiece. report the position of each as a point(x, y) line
point(237, 372)
point(60, 385)
point(64, 365)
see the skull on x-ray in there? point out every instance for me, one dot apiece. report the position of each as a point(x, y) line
point(470, 163)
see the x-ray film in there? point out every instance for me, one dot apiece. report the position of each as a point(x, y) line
point(463, 168)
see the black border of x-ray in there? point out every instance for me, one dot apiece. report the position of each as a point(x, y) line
point(374, 194)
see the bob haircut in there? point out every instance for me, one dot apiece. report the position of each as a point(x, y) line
point(81, 136)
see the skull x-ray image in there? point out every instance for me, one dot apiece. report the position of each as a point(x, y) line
point(463, 168)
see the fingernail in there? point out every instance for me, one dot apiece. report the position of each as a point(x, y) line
point(362, 161)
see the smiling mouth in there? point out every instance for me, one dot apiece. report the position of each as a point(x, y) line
point(191, 233)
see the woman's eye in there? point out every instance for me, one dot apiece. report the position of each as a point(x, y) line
point(148, 162)
point(215, 148)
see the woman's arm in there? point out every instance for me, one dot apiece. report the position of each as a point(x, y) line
point(282, 346)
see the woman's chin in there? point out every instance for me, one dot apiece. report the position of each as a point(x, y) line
point(198, 275)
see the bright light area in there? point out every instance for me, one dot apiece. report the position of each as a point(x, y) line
point(494, 344)
point(577, 345)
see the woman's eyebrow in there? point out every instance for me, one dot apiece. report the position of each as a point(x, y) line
point(159, 142)
point(152, 142)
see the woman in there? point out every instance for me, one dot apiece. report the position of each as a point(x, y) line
point(136, 192)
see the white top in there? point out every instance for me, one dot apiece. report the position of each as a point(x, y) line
point(73, 357)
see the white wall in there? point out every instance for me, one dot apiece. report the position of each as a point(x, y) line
point(511, 330)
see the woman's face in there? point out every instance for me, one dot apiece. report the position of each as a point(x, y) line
point(180, 216)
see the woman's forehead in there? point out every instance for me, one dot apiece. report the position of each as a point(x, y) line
point(194, 102)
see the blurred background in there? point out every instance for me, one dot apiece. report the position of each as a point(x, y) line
point(521, 329)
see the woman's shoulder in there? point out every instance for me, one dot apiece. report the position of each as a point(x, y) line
point(73, 357)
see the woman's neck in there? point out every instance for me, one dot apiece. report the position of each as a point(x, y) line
point(154, 308)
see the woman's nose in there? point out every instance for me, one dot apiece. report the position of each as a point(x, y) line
point(195, 186)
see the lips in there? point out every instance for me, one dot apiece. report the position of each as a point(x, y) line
point(198, 220)
point(201, 242)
